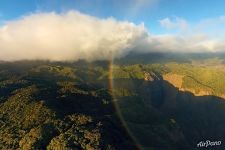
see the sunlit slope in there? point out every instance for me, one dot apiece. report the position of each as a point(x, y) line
point(164, 110)
point(196, 79)
point(49, 105)
point(199, 80)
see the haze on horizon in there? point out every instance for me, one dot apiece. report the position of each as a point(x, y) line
point(59, 31)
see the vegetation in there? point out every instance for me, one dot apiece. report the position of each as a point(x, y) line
point(51, 106)
point(55, 105)
point(200, 78)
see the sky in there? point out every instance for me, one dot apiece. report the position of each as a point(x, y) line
point(137, 11)
point(128, 25)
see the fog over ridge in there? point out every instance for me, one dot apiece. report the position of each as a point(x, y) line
point(72, 35)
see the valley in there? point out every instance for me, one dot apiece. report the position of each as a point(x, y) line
point(99, 105)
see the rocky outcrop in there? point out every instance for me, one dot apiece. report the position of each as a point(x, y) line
point(150, 76)
point(175, 79)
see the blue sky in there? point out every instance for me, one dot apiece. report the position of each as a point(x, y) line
point(137, 11)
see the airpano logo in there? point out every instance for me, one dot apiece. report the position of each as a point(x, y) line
point(209, 143)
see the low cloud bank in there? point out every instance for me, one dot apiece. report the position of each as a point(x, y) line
point(73, 35)
point(68, 36)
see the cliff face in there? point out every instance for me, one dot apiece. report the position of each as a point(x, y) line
point(177, 81)
point(150, 76)
point(70, 106)
point(162, 116)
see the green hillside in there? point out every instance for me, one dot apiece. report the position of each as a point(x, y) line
point(74, 105)
point(52, 106)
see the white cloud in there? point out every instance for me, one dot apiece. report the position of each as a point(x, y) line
point(211, 26)
point(177, 23)
point(73, 35)
point(68, 36)
point(205, 35)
